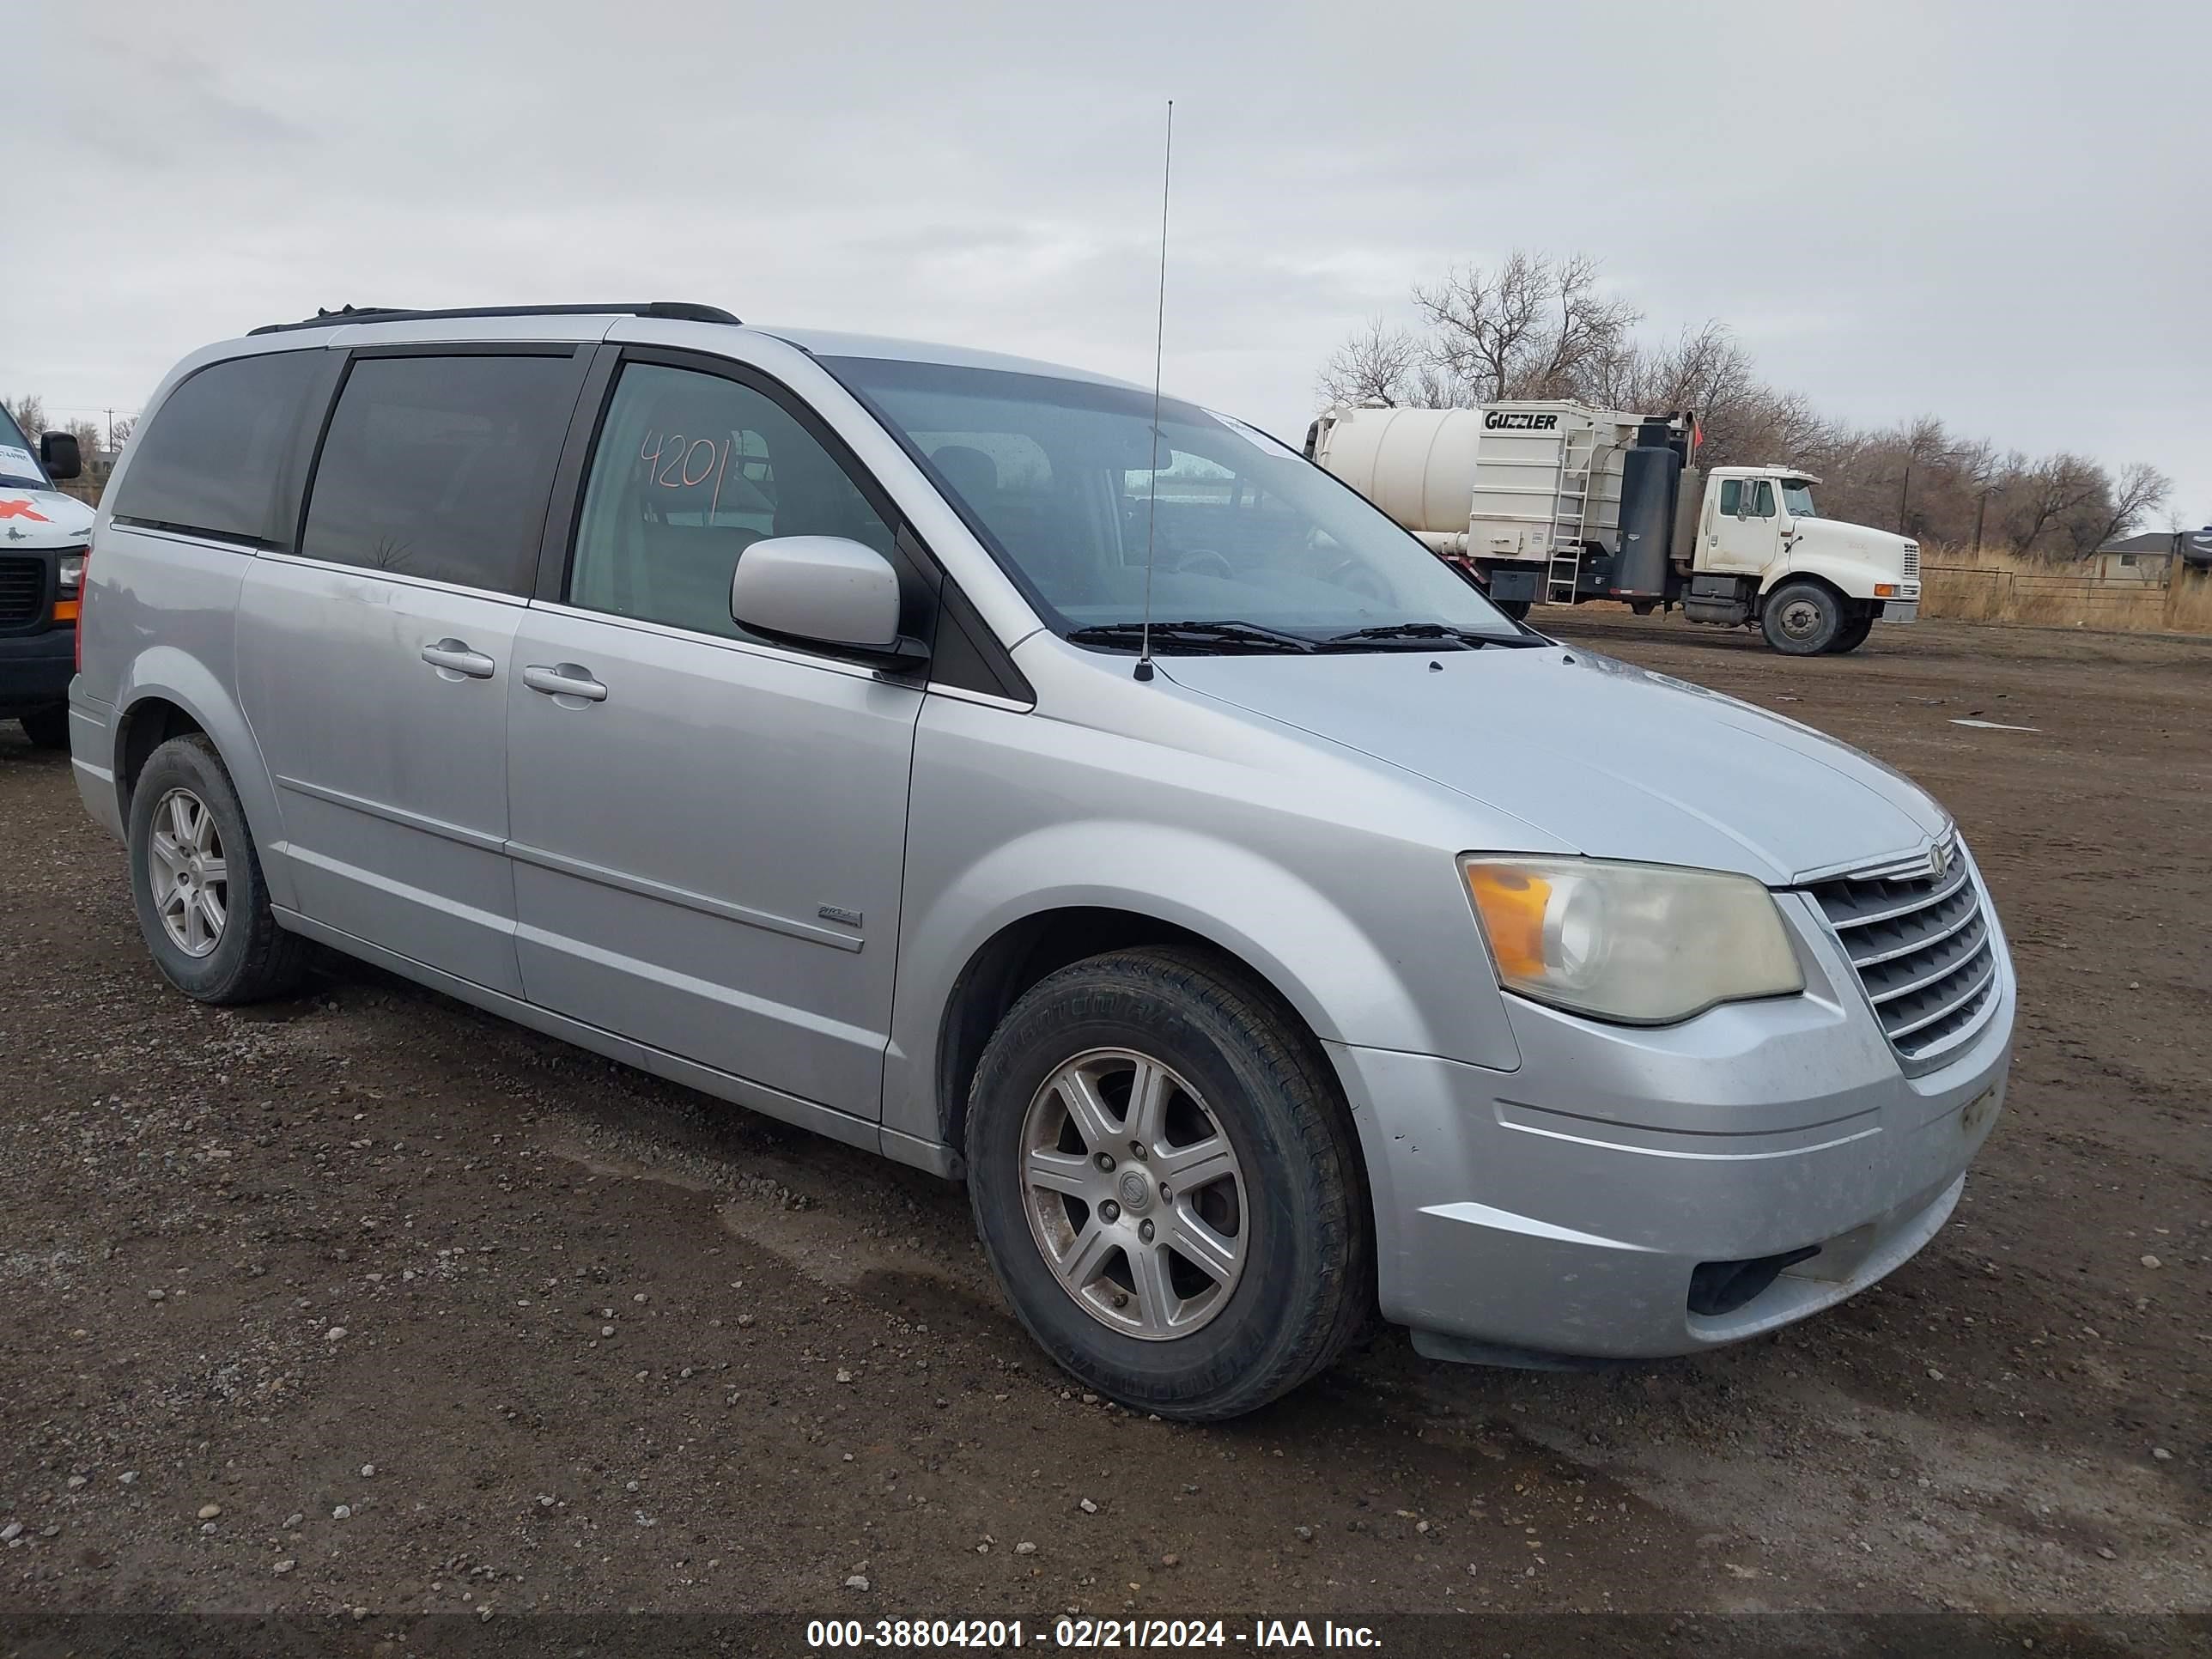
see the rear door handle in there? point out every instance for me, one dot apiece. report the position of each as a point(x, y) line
point(454, 657)
point(565, 679)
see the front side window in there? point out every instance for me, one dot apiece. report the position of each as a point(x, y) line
point(1732, 497)
point(212, 458)
point(691, 469)
point(1058, 476)
point(441, 467)
point(1797, 499)
point(1759, 499)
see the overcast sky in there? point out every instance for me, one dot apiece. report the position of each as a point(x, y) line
point(1997, 214)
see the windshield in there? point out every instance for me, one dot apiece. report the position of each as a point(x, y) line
point(1797, 499)
point(1056, 478)
point(19, 462)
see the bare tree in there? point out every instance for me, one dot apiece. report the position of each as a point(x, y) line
point(1380, 364)
point(2139, 491)
point(122, 428)
point(1533, 327)
point(2053, 489)
point(30, 413)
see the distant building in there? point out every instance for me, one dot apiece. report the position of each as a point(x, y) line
point(2148, 557)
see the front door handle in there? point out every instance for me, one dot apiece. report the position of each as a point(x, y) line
point(451, 657)
point(565, 679)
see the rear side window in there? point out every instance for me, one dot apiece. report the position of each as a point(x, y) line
point(440, 467)
point(212, 458)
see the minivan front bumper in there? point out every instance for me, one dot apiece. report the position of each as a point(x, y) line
point(1567, 1208)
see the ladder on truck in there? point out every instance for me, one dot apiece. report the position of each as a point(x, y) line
point(1570, 506)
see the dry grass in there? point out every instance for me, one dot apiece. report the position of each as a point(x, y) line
point(2000, 587)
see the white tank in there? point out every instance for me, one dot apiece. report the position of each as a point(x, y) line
point(1417, 465)
point(1509, 480)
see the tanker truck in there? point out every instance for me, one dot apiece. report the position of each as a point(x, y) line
point(1555, 502)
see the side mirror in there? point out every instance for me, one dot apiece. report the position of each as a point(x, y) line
point(821, 589)
point(58, 452)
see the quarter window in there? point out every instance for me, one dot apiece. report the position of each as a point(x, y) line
point(440, 467)
point(691, 469)
point(211, 460)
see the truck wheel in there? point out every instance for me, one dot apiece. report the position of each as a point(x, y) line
point(1852, 636)
point(196, 882)
point(1516, 609)
point(47, 728)
point(1801, 619)
point(1167, 1186)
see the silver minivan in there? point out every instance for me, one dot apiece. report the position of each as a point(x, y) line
point(779, 712)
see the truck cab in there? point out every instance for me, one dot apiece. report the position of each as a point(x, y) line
point(44, 538)
point(1763, 553)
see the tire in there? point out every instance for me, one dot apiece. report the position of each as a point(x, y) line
point(1516, 609)
point(1801, 619)
point(47, 728)
point(185, 817)
point(1854, 636)
point(1240, 1081)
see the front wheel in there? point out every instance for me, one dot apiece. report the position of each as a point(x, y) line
point(1166, 1183)
point(1801, 619)
point(48, 727)
point(1854, 636)
point(1516, 609)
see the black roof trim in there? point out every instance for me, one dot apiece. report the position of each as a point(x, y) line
point(682, 311)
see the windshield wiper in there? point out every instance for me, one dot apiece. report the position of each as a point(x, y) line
point(1217, 635)
point(1432, 633)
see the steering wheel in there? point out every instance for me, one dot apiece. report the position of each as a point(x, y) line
point(1191, 560)
point(1359, 576)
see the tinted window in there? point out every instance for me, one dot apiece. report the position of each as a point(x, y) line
point(212, 458)
point(692, 469)
point(440, 467)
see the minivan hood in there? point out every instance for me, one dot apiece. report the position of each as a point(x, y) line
point(1612, 760)
point(32, 518)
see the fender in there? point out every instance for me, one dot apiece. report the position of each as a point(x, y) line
point(1345, 987)
point(164, 672)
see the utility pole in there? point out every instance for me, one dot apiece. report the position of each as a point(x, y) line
point(1904, 493)
point(1981, 506)
point(110, 431)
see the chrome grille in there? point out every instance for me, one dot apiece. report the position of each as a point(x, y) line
point(1924, 951)
point(22, 590)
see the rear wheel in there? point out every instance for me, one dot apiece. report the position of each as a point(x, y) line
point(1166, 1184)
point(1516, 609)
point(196, 879)
point(1853, 635)
point(1801, 619)
point(47, 728)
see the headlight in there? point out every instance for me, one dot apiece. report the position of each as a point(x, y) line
point(72, 571)
point(1643, 943)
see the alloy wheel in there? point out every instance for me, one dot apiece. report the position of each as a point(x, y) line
point(187, 872)
point(1135, 1194)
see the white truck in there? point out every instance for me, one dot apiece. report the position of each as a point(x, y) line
point(1555, 502)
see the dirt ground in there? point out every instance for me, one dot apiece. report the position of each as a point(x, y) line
point(368, 1301)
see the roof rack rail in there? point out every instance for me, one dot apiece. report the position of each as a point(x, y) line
point(682, 311)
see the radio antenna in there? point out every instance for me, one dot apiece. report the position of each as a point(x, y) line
point(1159, 344)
